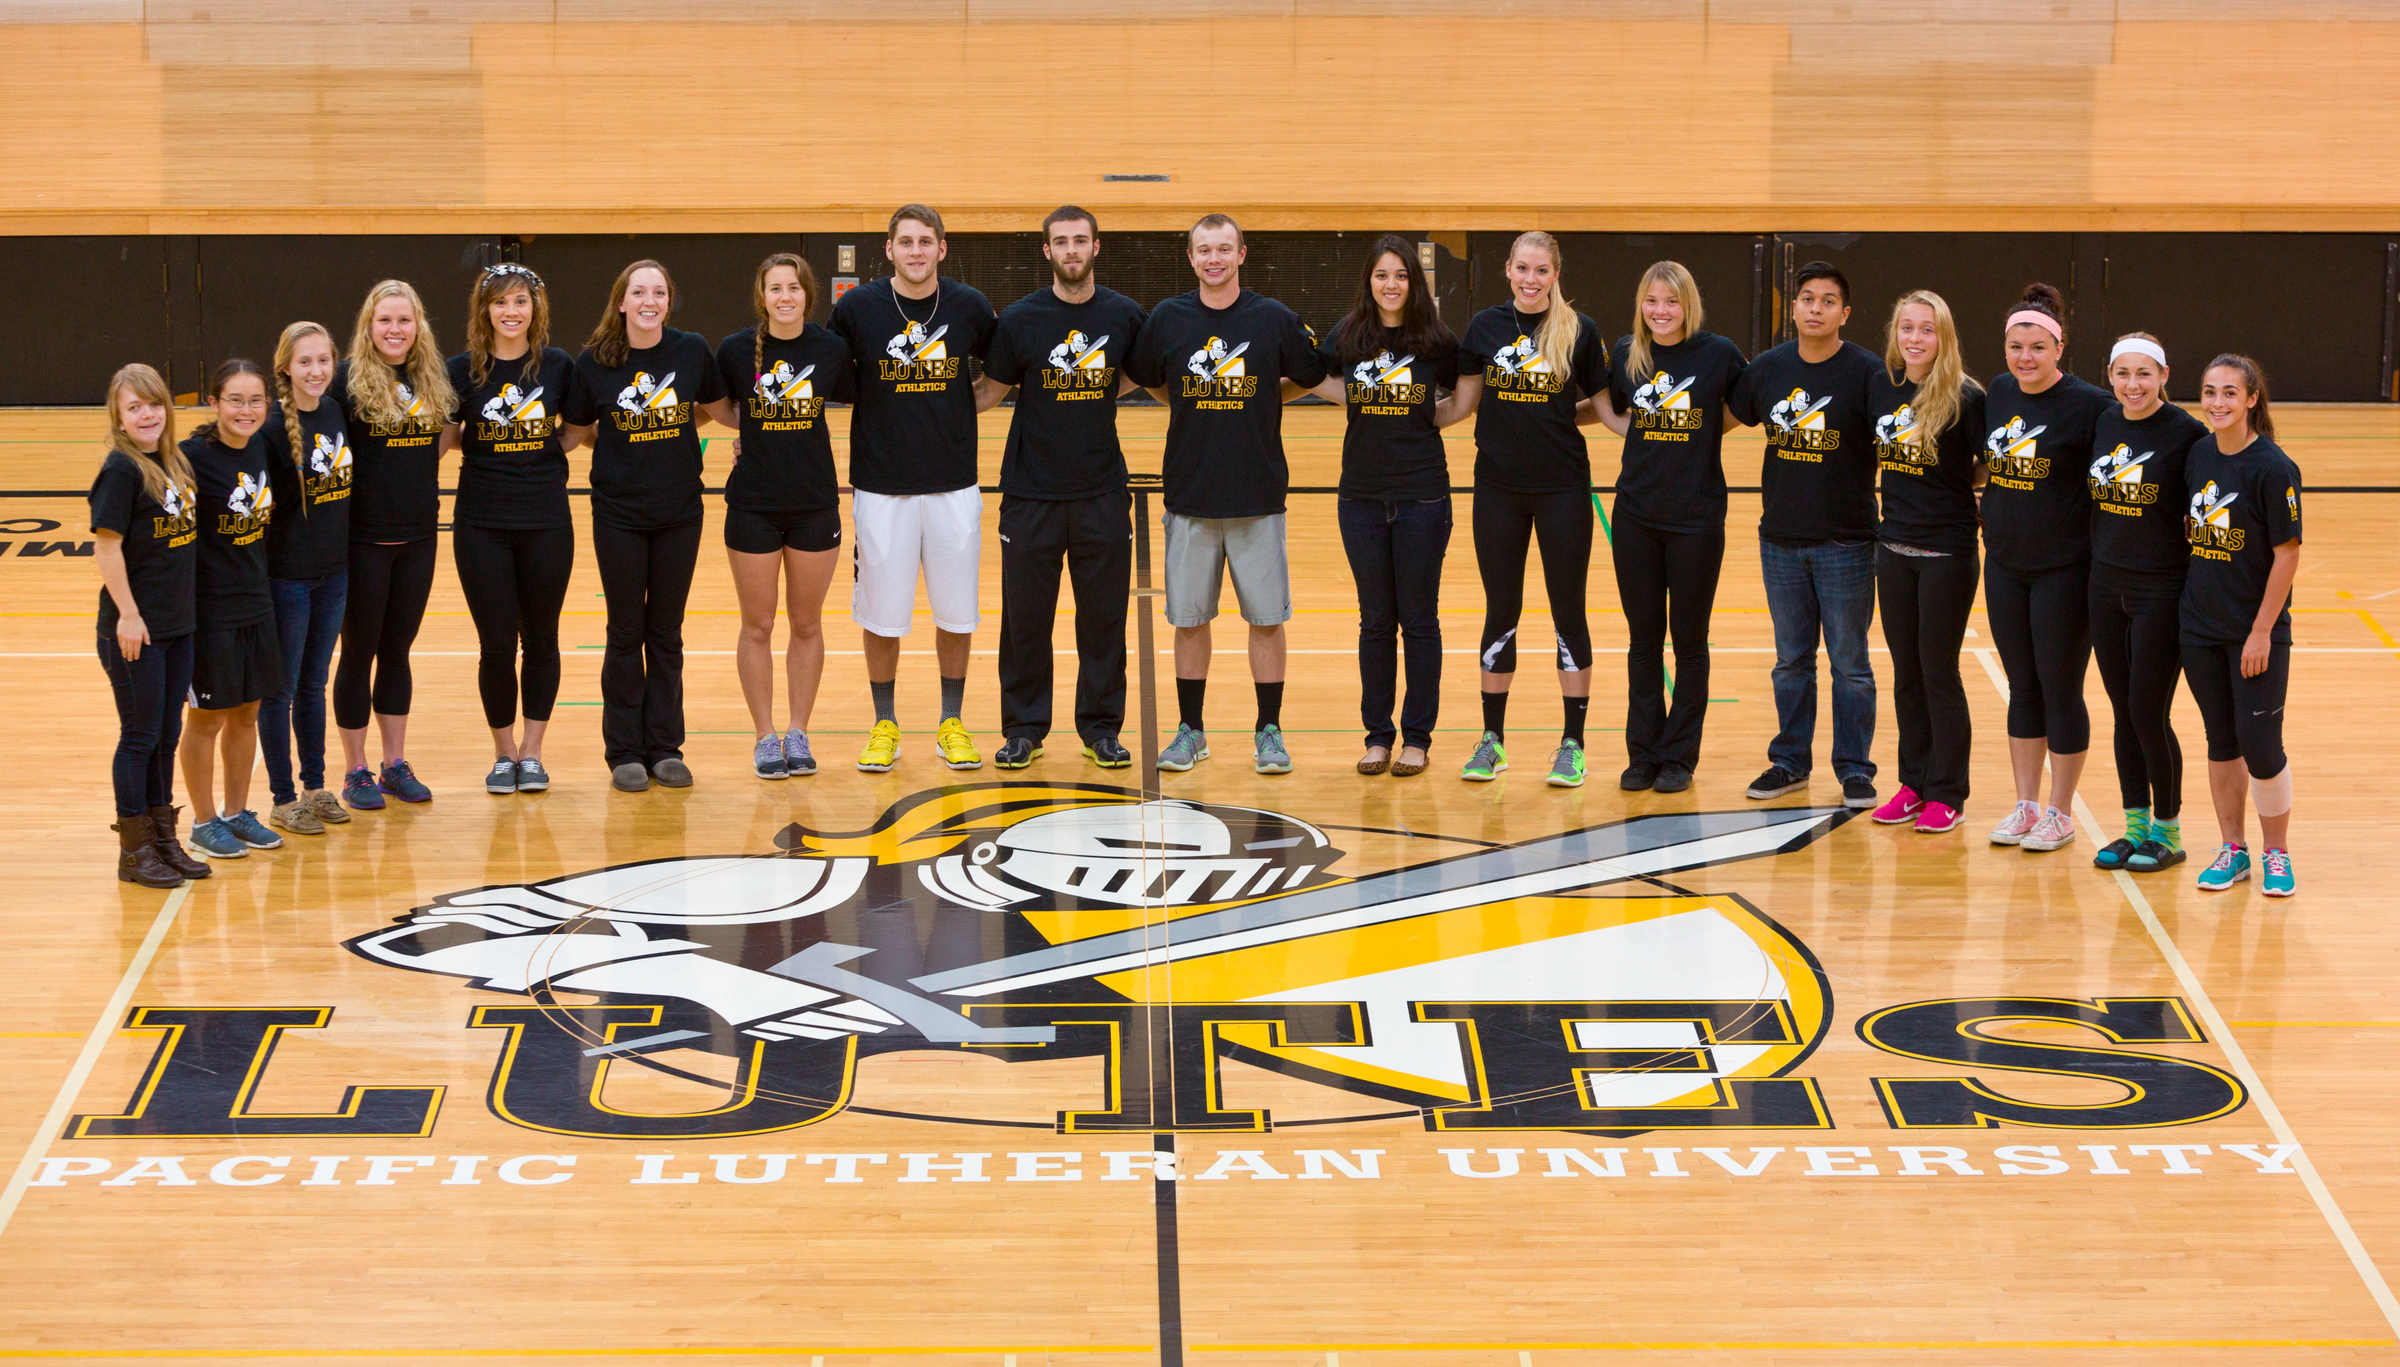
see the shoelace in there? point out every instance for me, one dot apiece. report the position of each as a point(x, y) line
point(2279, 863)
point(2224, 859)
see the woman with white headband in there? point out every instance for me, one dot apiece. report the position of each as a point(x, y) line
point(2138, 561)
point(2037, 537)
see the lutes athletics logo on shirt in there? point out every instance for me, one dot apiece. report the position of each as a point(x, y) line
point(784, 399)
point(1218, 378)
point(415, 427)
point(515, 420)
point(649, 407)
point(181, 506)
point(1796, 428)
point(1079, 368)
point(327, 478)
point(2117, 484)
point(249, 506)
point(2214, 537)
point(2013, 453)
point(917, 361)
point(1385, 386)
point(1521, 372)
point(1663, 410)
point(1900, 442)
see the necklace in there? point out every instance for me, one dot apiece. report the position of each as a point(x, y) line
point(911, 322)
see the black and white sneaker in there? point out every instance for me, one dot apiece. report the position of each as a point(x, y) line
point(1858, 792)
point(1775, 782)
point(502, 780)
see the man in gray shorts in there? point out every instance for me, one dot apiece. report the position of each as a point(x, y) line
point(1220, 358)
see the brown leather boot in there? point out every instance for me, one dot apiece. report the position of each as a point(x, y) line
point(170, 850)
point(137, 856)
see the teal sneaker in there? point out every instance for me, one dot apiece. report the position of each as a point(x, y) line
point(246, 828)
point(1272, 758)
point(217, 840)
point(2231, 866)
point(1488, 762)
point(2275, 874)
point(1187, 749)
point(1566, 767)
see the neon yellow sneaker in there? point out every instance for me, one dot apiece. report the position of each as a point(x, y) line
point(883, 749)
point(956, 746)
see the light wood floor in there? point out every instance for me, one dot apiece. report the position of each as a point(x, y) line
point(1409, 1269)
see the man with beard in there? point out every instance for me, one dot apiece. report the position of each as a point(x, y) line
point(1062, 492)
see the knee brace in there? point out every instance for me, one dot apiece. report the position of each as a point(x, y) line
point(2272, 796)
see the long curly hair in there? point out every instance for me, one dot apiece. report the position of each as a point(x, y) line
point(375, 384)
point(490, 287)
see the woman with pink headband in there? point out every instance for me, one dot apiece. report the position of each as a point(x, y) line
point(2037, 537)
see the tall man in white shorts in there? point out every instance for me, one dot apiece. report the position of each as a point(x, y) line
point(912, 469)
point(1220, 358)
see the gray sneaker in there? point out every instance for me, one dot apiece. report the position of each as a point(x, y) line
point(766, 757)
point(502, 780)
point(1187, 749)
point(672, 772)
point(247, 829)
point(216, 840)
point(1272, 757)
point(797, 761)
point(531, 776)
point(630, 777)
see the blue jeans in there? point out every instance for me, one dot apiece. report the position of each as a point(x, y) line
point(1396, 552)
point(1828, 587)
point(308, 614)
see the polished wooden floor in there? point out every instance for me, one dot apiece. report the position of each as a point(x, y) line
point(2121, 1258)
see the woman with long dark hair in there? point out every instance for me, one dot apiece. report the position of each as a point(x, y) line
point(1388, 362)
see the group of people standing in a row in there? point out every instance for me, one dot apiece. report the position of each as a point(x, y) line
point(306, 512)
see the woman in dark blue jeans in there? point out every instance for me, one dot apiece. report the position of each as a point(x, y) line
point(1389, 361)
point(308, 572)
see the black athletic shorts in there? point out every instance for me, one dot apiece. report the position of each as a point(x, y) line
point(754, 533)
point(235, 665)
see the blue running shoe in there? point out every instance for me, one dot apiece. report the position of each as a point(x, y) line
point(359, 790)
point(402, 784)
point(217, 840)
point(2275, 874)
point(2231, 866)
point(246, 828)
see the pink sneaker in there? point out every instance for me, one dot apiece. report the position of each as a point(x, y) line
point(1936, 817)
point(1904, 804)
point(2020, 822)
point(2055, 831)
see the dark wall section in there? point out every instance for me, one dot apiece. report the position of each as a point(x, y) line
point(104, 302)
point(1980, 275)
point(2305, 307)
point(251, 287)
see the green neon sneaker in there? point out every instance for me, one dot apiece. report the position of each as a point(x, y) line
point(2231, 866)
point(1271, 756)
point(1566, 767)
point(1488, 762)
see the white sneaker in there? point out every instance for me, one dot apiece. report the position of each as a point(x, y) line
point(2055, 831)
point(2019, 824)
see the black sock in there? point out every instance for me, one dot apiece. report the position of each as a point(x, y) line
point(1577, 708)
point(1270, 704)
point(954, 692)
point(1495, 714)
point(1189, 694)
point(882, 693)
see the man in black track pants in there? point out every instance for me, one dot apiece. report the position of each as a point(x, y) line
point(1063, 493)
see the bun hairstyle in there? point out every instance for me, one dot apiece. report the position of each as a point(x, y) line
point(2255, 381)
point(758, 302)
point(2046, 301)
point(166, 464)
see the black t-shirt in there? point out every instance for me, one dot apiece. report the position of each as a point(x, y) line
point(512, 472)
point(1673, 476)
point(786, 464)
point(1223, 370)
point(2139, 497)
point(1391, 448)
point(914, 431)
point(646, 449)
point(311, 537)
point(237, 501)
point(1928, 481)
point(1526, 440)
point(1066, 361)
point(1817, 481)
point(2241, 508)
point(158, 539)
point(2037, 511)
point(395, 492)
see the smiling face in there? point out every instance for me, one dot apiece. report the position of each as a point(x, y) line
point(1919, 335)
point(144, 420)
point(240, 407)
point(1389, 284)
point(1662, 313)
point(647, 302)
point(312, 366)
point(916, 251)
point(394, 329)
point(2033, 356)
point(1531, 274)
point(787, 299)
point(1070, 248)
point(512, 313)
point(1819, 310)
point(2226, 401)
point(1217, 254)
point(2139, 383)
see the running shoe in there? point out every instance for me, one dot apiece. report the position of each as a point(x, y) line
point(1639, 777)
point(883, 749)
point(2275, 874)
point(1187, 749)
point(401, 782)
point(2020, 821)
point(1902, 806)
point(629, 777)
point(502, 780)
point(1489, 761)
point(797, 760)
point(2231, 866)
point(2055, 831)
point(296, 817)
point(1936, 817)
point(325, 806)
point(956, 747)
point(217, 840)
point(1775, 782)
point(1566, 766)
point(246, 828)
point(1672, 778)
point(2152, 855)
point(672, 772)
point(1016, 752)
point(766, 757)
point(531, 776)
point(1270, 756)
point(1858, 792)
point(1107, 752)
point(359, 790)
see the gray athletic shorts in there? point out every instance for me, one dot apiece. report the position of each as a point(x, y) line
point(1201, 549)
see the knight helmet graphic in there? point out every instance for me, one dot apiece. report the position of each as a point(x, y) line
point(1796, 413)
point(250, 495)
point(1897, 428)
point(1663, 391)
point(1384, 369)
point(1079, 352)
point(2012, 438)
point(647, 394)
point(913, 343)
point(330, 455)
point(1216, 362)
point(174, 500)
point(2120, 466)
point(779, 383)
point(1522, 357)
point(410, 404)
point(2212, 509)
point(512, 404)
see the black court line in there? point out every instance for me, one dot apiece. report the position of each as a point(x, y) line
point(1169, 1252)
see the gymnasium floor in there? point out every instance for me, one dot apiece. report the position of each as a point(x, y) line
point(1403, 1173)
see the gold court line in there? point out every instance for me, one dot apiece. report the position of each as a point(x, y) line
point(2293, 1025)
point(2377, 627)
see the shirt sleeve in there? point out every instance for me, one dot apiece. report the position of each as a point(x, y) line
point(112, 498)
point(1445, 368)
point(1472, 354)
point(987, 326)
point(1736, 366)
point(1591, 362)
point(462, 389)
point(1620, 392)
point(844, 387)
point(582, 407)
point(1000, 362)
point(2281, 506)
point(1143, 364)
point(734, 364)
point(712, 380)
point(1743, 397)
point(1301, 363)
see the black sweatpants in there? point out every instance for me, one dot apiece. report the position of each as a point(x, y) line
point(2244, 717)
point(2135, 643)
point(1095, 536)
point(1925, 601)
point(516, 582)
point(1667, 582)
point(1506, 525)
point(150, 693)
point(388, 588)
point(2042, 627)
point(647, 576)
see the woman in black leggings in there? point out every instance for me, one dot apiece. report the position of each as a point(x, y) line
point(1536, 366)
point(2037, 537)
point(2244, 520)
point(1667, 383)
point(395, 397)
point(1929, 447)
point(2138, 559)
point(511, 533)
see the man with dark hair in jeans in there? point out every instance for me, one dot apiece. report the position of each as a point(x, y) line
point(1816, 532)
